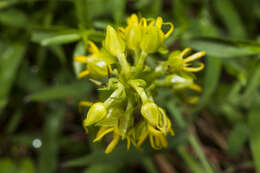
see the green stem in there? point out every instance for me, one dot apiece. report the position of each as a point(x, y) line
point(176, 112)
point(116, 95)
point(140, 91)
point(140, 63)
point(193, 141)
point(125, 67)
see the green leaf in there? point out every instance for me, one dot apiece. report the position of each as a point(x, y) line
point(26, 166)
point(59, 52)
point(10, 59)
point(119, 155)
point(190, 161)
point(7, 166)
point(82, 13)
point(149, 165)
point(222, 48)
point(254, 133)
point(14, 17)
point(237, 138)
point(14, 121)
point(55, 38)
point(101, 168)
point(49, 151)
point(24, 139)
point(212, 74)
point(118, 10)
point(230, 17)
point(61, 92)
point(252, 87)
point(7, 3)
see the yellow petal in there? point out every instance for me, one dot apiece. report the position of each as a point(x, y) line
point(195, 56)
point(83, 74)
point(92, 48)
point(82, 59)
point(112, 144)
point(102, 132)
point(194, 69)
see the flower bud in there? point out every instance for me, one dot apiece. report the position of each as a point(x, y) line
point(175, 62)
point(113, 114)
point(113, 42)
point(97, 67)
point(133, 36)
point(96, 113)
point(152, 39)
point(150, 112)
point(179, 82)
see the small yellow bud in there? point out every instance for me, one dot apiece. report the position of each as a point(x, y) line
point(150, 112)
point(113, 114)
point(175, 62)
point(113, 42)
point(133, 37)
point(179, 82)
point(96, 113)
point(97, 67)
point(152, 39)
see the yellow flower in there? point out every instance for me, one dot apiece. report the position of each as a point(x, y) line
point(152, 34)
point(157, 138)
point(113, 43)
point(98, 64)
point(146, 34)
point(132, 33)
point(150, 111)
point(176, 61)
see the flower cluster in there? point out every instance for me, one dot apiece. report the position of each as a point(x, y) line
point(130, 112)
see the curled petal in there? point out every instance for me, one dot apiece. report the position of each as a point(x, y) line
point(195, 87)
point(195, 56)
point(185, 52)
point(112, 144)
point(163, 141)
point(194, 69)
point(128, 142)
point(84, 103)
point(102, 132)
point(152, 142)
point(168, 33)
point(92, 48)
point(153, 131)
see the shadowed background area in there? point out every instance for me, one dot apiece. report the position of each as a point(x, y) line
point(40, 124)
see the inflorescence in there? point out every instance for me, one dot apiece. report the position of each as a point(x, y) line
point(130, 112)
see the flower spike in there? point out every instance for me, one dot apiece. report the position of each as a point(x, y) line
point(129, 111)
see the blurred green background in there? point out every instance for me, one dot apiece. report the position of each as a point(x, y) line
point(40, 126)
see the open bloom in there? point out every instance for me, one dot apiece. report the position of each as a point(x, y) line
point(176, 61)
point(156, 137)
